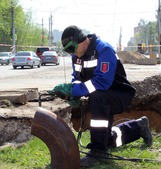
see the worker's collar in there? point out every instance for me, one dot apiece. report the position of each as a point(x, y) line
point(92, 45)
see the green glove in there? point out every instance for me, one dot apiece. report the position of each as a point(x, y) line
point(74, 102)
point(65, 88)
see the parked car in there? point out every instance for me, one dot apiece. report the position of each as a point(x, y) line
point(50, 57)
point(26, 58)
point(6, 58)
point(40, 50)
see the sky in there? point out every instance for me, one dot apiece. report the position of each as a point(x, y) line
point(107, 18)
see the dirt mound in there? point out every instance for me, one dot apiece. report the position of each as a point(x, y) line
point(129, 56)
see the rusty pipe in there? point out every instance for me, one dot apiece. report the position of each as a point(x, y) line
point(58, 137)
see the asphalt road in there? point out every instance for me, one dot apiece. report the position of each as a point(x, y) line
point(46, 77)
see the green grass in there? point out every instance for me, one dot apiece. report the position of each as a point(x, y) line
point(35, 155)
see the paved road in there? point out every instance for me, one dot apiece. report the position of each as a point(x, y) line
point(48, 76)
point(42, 78)
point(140, 72)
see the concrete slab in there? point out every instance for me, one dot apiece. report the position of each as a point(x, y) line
point(14, 97)
point(20, 96)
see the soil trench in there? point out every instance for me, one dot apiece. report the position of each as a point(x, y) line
point(16, 130)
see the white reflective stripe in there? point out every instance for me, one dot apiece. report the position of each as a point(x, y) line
point(78, 68)
point(117, 57)
point(91, 63)
point(89, 86)
point(99, 123)
point(77, 82)
point(119, 134)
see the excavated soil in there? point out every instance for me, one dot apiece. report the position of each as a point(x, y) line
point(129, 56)
point(154, 118)
point(16, 120)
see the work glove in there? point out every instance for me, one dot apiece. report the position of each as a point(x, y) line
point(65, 88)
point(65, 92)
point(74, 102)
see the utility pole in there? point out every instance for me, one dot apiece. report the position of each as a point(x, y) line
point(42, 33)
point(49, 36)
point(51, 30)
point(159, 27)
point(13, 27)
point(147, 39)
point(120, 45)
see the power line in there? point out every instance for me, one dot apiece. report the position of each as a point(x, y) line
point(92, 13)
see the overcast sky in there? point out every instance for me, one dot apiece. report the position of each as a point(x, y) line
point(103, 17)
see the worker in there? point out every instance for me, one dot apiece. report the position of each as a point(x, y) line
point(99, 75)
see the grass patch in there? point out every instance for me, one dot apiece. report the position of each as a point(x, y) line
point(35, 155)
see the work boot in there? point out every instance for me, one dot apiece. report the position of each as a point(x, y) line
point(92, 158)
point(145, 132)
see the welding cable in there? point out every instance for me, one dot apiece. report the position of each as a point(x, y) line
point(110, 156)
point(83, 117)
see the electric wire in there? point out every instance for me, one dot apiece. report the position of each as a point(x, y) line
point(109, 156)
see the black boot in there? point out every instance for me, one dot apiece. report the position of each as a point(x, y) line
point(145, 132)
point(93, 157)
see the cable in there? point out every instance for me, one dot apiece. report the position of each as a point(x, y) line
point(110, 156)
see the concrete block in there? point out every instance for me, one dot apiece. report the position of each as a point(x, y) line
point(32, 93)
point(14, 97)
point(20, 96)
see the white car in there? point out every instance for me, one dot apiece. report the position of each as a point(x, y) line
point(5, 58)
point(50, 57)
point(26, 58)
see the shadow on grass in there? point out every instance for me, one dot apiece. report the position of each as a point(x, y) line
point(109, 164)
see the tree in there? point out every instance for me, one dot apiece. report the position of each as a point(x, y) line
point(146, 34)
point(28, 33)
point(5, 21)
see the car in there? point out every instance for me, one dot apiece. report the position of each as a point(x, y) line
point(50, 57)
point(26, 58)
point(40, 50)
point(5, 58)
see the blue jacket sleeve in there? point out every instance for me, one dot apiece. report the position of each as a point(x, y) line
point(103, 74)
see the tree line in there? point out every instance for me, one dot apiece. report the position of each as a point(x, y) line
point(146, 33)
point(27, 33)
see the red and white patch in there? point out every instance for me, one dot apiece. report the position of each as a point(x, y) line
point(104, 67)
point(78, 61)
